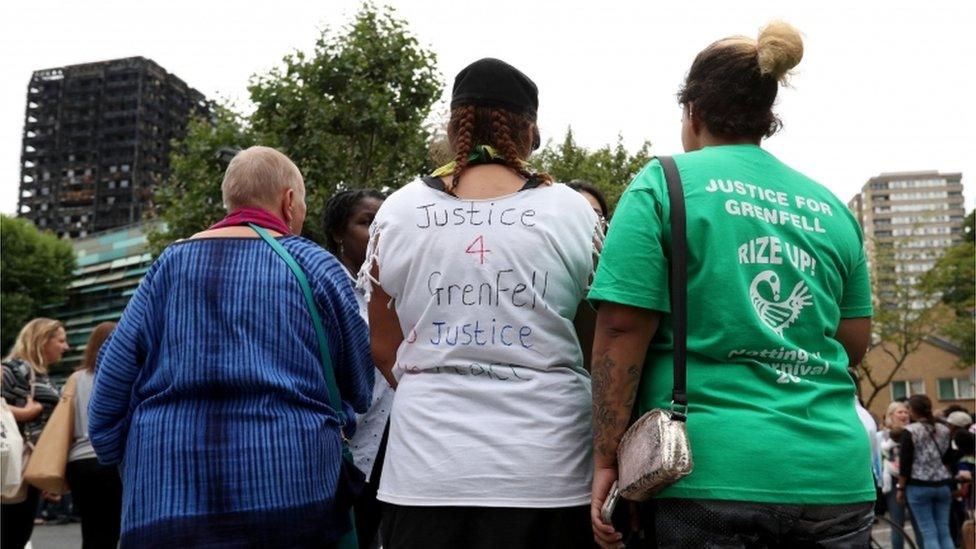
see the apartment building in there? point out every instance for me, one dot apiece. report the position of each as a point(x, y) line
point(97, 138)
point(914, 216)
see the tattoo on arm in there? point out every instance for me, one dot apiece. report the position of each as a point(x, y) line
point(614, 394)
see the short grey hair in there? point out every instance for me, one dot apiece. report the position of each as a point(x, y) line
point(257, 176)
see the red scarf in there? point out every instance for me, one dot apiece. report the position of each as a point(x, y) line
point(261, 218)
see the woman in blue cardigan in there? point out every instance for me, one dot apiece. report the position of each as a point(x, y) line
point(210, 394)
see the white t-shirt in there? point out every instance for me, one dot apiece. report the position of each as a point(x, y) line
point(493, 403)
point(872, 430)
point(365, 444)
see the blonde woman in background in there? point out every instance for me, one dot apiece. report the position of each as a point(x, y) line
point(895, 421)
point(32, 396)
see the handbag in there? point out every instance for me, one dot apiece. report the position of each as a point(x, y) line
point(20, 453)
point(351, 479)
point(47, 465)
point(11, 452)
point(655, 451)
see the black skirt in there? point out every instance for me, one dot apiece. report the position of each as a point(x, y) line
point(408, 527)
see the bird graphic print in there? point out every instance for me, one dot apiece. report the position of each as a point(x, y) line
point(778, 315)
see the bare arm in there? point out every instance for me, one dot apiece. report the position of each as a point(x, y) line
point(28, 412)
point(385, 333)
point(855, 335)
point(621, 339)
point(620, 343)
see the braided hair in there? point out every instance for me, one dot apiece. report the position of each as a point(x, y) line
point(512, 134)
point(338, 209)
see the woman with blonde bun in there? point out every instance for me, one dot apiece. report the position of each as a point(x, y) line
point(779, 306)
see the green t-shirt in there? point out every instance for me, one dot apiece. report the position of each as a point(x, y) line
point(775, 261)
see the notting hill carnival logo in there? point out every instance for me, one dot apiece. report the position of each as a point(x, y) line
point(778, 315)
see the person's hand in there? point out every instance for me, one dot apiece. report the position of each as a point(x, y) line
point(604, 534)
point(51, 497)
point(900, 497)
point(33, 409)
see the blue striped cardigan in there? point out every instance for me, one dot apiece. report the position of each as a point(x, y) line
point(210, 396)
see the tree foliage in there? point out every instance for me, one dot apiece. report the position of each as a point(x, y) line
point(953, 279)
point(350, 114)
point(190, 202)
point(609, 168)
point(35, 270)
point(907, 312)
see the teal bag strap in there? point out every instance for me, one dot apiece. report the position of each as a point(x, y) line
point(330, 379)
point(348, 540)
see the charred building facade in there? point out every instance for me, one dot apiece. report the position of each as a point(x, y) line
point(97, 139)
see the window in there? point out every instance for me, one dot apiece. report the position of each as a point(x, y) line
point(914, 268)
point(955, 388)
point(913, 183)
point(929, 195)
point(124, 184)
point(923, 219)
point(125, 167)
point(912, 208)
point(910, 231)
point(907, 388)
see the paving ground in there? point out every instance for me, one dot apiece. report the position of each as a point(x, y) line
point(68, 536)
point(57, 536)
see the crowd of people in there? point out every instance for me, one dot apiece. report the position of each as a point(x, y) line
point(457, 366)
point(924, 472)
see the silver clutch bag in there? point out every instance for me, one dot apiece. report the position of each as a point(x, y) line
point(653, 454)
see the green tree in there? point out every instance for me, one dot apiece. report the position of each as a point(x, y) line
point(907, 312)
point(350, 114)
point(190, 201)
point(35, 269)
point(953, 279)
point(609, 168)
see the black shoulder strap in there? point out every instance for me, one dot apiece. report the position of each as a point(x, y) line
point(678, 280)
point(935, 442)
point(532, 182)
point(437, 184)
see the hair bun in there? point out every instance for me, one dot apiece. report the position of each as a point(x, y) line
point(780, 48)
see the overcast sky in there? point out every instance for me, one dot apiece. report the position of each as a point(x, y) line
point(883, 86)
